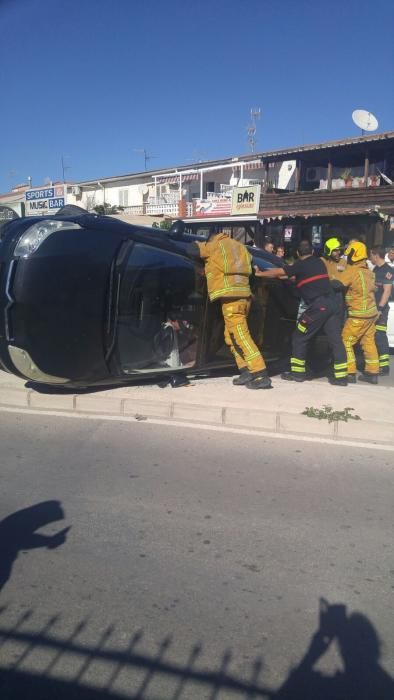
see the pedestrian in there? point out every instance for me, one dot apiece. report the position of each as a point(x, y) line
point(268, 244)
point(228, 266)
point(280, 251)
point(384, 279)
point(389, 258)
point(359, 282)
point(320, 313)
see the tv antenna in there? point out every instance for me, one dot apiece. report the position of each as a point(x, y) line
point(255, 114)
point(11, 176)
point(365, 120)
point(198, 157)
point(147, 156)
point(64, 168)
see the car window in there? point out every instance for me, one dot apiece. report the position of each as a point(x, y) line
point(160, 308)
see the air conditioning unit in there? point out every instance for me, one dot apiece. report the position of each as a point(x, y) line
point(311, 175)
point(76, 191)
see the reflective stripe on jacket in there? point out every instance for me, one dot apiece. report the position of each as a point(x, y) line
point(227, 266)
point(360, 295)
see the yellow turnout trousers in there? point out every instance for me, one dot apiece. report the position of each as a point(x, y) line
point(237, 335)
point(361, 330)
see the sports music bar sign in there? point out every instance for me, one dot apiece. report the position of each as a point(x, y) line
point(44, 201)
point(245, 200)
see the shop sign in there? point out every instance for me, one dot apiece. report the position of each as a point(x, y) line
point(288, 234)
point(245, 200)
point(391, 223)
point(45, 200)
point(317, 236)
point(212, 207)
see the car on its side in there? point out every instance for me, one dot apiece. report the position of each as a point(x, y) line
point(89, 300)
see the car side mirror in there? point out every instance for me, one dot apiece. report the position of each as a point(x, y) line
point(177, 229)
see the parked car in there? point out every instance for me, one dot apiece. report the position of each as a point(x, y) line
point(89, 300)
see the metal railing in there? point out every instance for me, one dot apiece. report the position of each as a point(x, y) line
point(165, 198)
point(127, 672)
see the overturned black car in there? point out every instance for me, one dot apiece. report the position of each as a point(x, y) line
point(89, 300)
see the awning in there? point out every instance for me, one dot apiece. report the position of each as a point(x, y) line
point(249, 165)
point(174, 179)
point(320, 213)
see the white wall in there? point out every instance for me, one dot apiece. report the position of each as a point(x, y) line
point(114, 193)
point(93, 195)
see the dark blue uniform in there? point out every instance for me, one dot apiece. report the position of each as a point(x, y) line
point(383, 275)
point(321, 313)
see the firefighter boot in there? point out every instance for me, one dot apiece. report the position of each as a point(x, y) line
point(259, 380)
point(351, 379)
point(342, 381)
point(291, 377)
point(243, 378)
point(370, 378)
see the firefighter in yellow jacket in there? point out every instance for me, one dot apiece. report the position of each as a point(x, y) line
point(332, 258)
point(228, 268)
point(362, 313)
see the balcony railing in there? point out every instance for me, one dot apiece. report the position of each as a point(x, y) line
point(168, 209)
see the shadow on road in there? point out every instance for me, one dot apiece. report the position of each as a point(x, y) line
point(18, 533)
point(358, 644)
point(134, 675)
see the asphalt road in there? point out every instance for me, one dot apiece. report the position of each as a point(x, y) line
point(194, 564)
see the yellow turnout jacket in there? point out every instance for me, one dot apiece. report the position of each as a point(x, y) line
point(227, 266)
point(360, 295)
point(334, 269)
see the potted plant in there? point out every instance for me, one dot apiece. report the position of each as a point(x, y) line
point(347, 177)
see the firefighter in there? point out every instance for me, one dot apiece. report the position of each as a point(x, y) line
point(320, 313)
point(228, 268)
point(335, 264)
point(384, 278)
point(359, 283)
point(333, 259)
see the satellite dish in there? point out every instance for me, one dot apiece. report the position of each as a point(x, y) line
point(365, 120)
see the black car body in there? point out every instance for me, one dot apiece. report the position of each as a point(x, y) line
point(89, 300)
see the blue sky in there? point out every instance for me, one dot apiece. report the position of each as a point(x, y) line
point(94, 80)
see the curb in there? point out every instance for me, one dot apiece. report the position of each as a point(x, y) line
point(226, 416)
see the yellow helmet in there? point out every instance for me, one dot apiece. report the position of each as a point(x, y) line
point(331, 245)
point(356, 252)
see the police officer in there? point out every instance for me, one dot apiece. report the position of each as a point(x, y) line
point(384, 279)
point(228, 266)
point(320, 312)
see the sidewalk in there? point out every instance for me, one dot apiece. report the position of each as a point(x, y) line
point(216, 401)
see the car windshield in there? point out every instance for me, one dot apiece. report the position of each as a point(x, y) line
point(159, 312)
